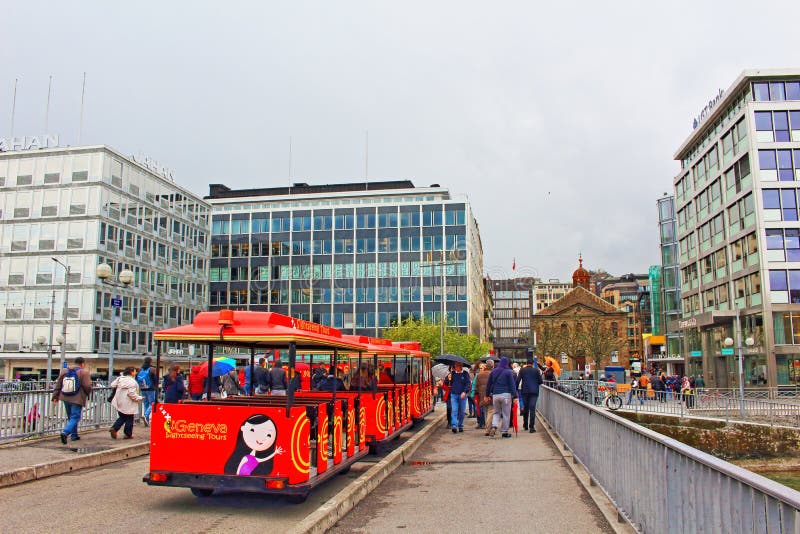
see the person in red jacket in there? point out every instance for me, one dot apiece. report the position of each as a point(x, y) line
point(196, 383)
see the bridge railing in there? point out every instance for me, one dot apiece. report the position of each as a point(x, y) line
point(30, 412)
point(712, 403)
point(663, 485)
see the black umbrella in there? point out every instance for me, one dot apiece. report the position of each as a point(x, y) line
point(451, 358)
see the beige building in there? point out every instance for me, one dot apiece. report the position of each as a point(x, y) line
point(547, 292)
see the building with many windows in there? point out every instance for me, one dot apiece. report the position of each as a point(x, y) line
point(547, 292)
point(736, 198)
point(358, 256)
point(78, 207)
point(512, 316)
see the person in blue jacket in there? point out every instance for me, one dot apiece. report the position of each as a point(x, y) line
point(530, 378)
point(502, 389)
point(173, 385)
point(460, 386)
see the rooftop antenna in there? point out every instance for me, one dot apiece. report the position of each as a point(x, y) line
point(47, 109)
point(13, 109)
point(83, 96)
point(366, 159)
point(290, 161)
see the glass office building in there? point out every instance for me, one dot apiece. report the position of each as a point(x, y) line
point(736, 200)
point(84, 206)
point(357, 256)
point(666, 295)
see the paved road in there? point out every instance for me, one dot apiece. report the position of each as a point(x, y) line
point(113, 498)
point(470, 483)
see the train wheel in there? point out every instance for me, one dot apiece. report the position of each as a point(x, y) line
point(345, 470)
point(202, 492)
point(297, 499)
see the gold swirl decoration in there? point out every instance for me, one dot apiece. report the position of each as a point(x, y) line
point(300, 453)
point(362, 425)
point(322, 440)
point(380, 416)
point(337, 433)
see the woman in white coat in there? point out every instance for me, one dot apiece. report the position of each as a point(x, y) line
point(126, 400)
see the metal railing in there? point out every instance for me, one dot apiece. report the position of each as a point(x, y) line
point(24, 385)
point(29, 413)
point(712, 403)
point(662, 485)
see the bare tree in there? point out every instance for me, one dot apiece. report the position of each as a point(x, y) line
point(598, 340)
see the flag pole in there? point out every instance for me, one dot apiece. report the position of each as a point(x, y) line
point(83, 98)
point(13, 110)
point(47, 109)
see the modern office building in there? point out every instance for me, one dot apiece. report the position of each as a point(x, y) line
point(358, 256)
point(738, 232)
point(547, 292)
point(512, 316)
point(79, 207)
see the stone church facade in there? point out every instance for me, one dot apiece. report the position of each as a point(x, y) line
point(584, 327)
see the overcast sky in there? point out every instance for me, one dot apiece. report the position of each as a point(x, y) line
point(557, 120)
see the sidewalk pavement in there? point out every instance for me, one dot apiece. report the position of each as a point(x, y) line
point(40, 458)
point(473, 483)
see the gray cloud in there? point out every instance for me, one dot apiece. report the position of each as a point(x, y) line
point(558, 121)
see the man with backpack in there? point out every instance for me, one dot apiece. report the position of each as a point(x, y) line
point(146, 378)
point(73, 387)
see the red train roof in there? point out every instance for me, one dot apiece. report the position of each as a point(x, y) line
point(376, 345)
point(413, 347)
point(264, 328)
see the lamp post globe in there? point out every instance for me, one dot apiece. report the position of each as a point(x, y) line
point(41, 340)
point(60, 340)
point(749, 341)
point(728, 342)
point(103, 271)
point(126, 276)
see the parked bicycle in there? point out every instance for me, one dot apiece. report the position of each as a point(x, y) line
point(612, 399)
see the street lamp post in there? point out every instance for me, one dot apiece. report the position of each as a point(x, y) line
point(729, 343)
point(104, 273)
point(63, 362)
point(50, 339)
point(443, 305)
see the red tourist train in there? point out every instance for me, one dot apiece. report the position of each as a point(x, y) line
point(285, 445)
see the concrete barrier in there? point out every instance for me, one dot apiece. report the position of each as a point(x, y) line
point(340, 504)
point(69, 465)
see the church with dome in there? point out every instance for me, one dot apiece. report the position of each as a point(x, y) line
point(581, 328)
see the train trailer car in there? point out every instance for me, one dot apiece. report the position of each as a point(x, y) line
point(274, 444)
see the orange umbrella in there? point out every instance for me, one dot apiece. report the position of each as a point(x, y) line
point(554, 363)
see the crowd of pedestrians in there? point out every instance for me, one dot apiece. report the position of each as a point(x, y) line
point(488, 392)
point(491, 394)
point(665, 387)
point(133, 387)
